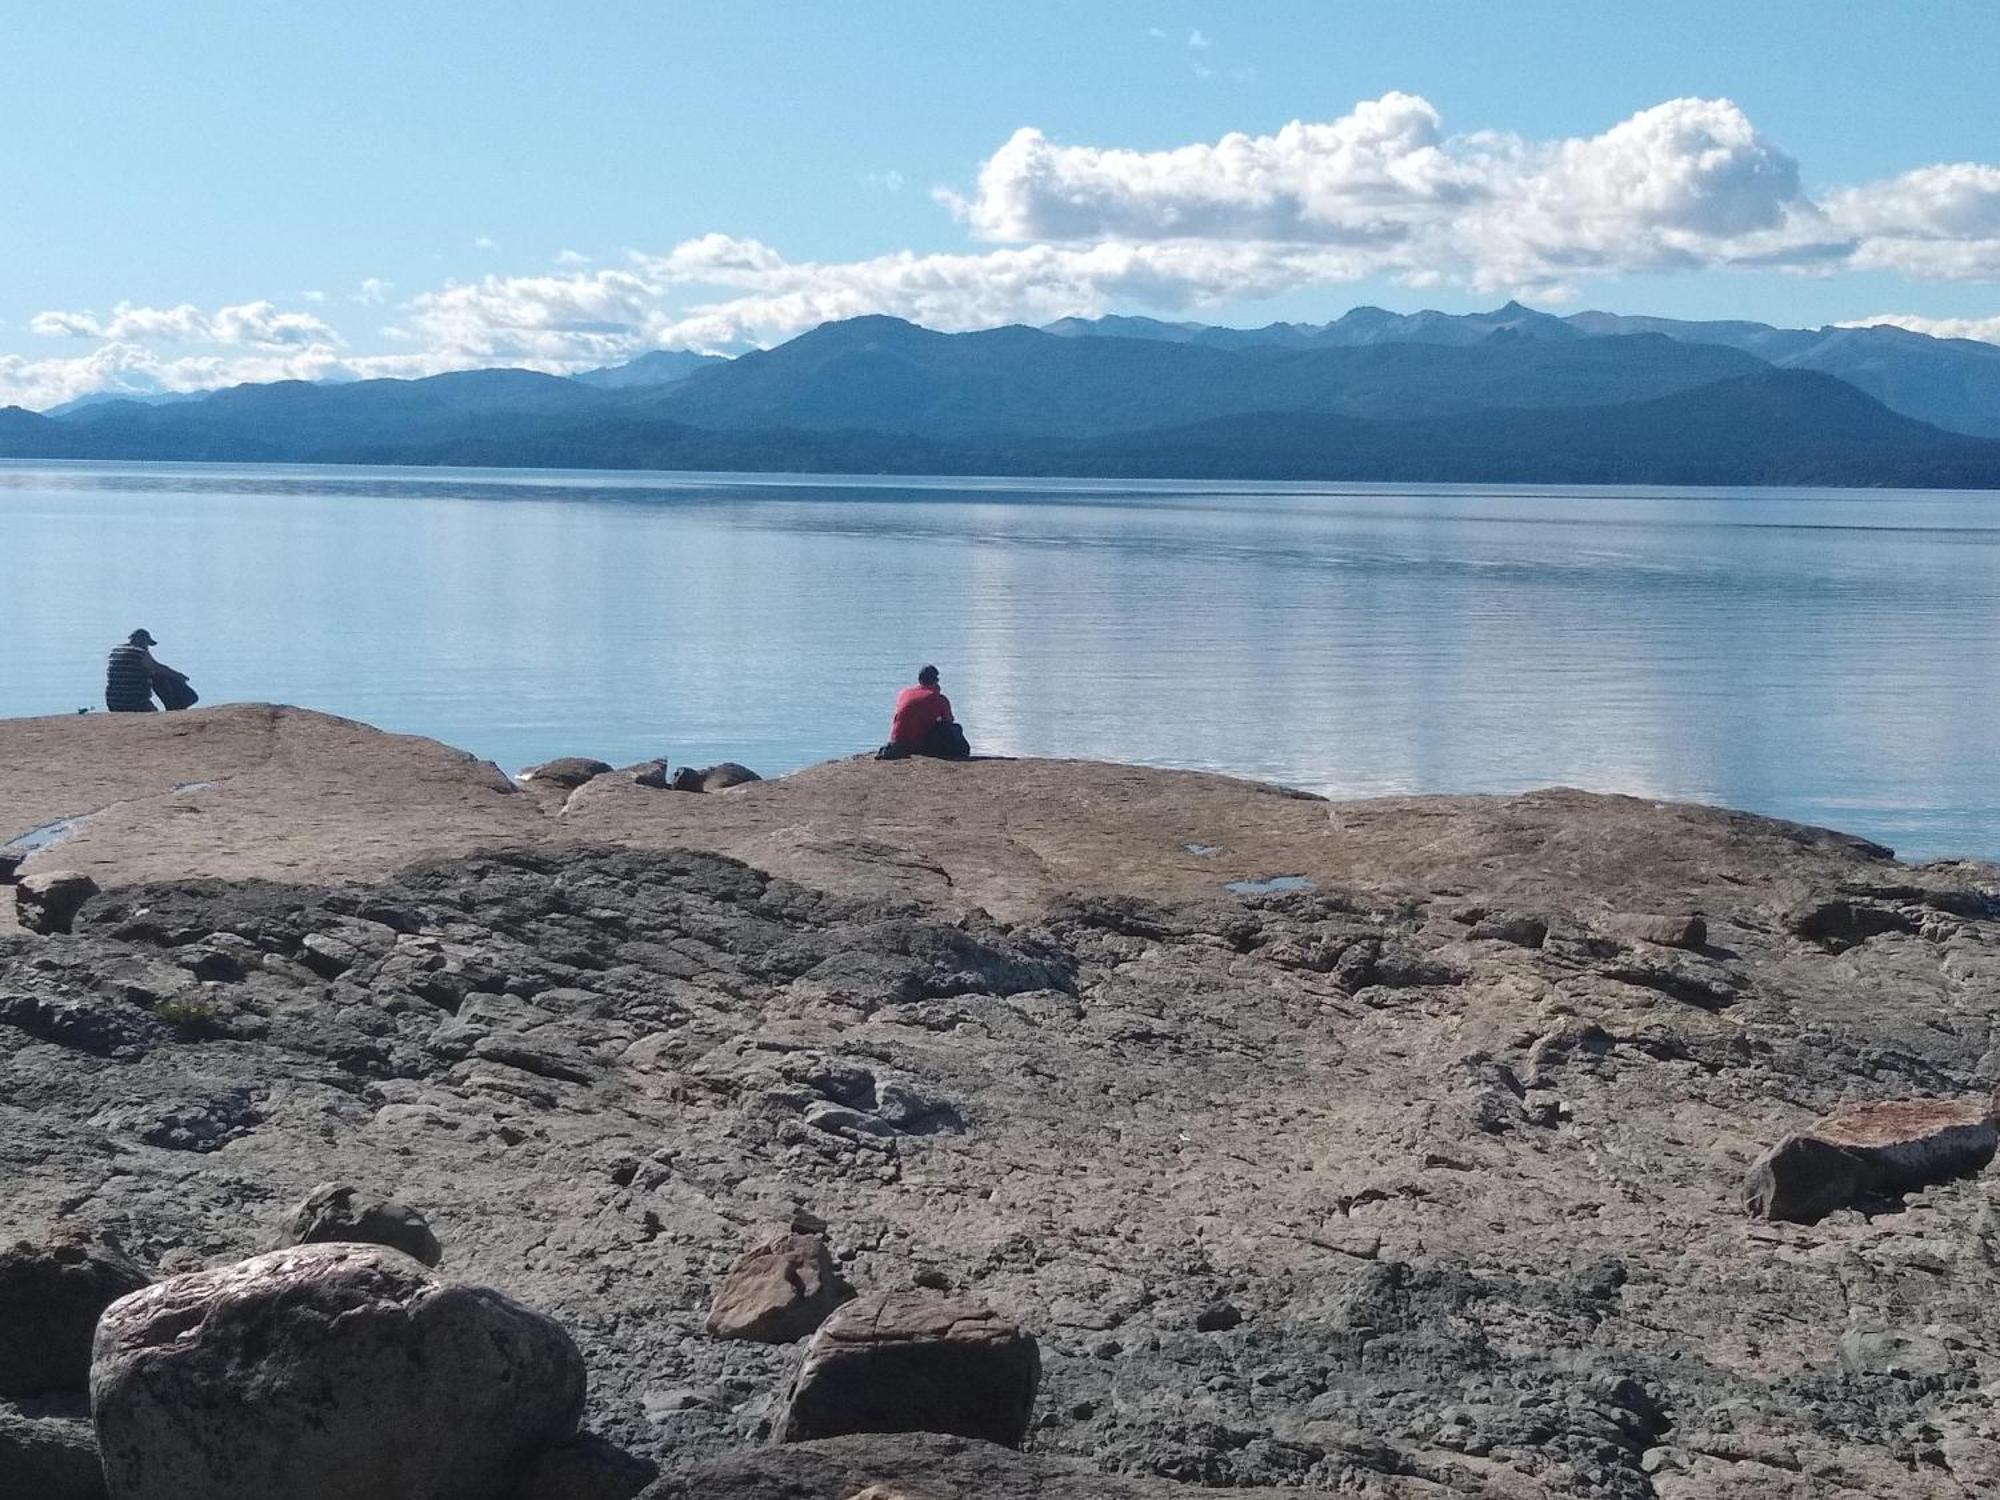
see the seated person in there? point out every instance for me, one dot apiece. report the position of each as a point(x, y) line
point(134, 677)
point(128, 679)
point(923, 725)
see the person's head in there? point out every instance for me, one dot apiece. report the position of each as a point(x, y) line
point(142, 638)
point(928, 677)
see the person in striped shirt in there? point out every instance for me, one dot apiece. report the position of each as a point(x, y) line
point(128, 680)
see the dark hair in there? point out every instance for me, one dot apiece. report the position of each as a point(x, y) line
point(928, 676)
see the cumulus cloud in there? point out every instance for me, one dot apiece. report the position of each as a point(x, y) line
point(776, 298)
point(1684, 184)
point(137, 369)
point(1384, 190)
point(1937, 223)
point(257, 323)
point(578, 317)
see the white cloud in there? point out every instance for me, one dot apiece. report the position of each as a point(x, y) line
point(587, 316)
point(1938, 223)
point(130, 368)
point(485, 242)
point(255, 323)
point(890, 181)
point(1362, 175)
point(776, 298)
point(1382, 191)
point(1687, 183)
point(571, 258)
point(1986, 330)
point(1198, 41)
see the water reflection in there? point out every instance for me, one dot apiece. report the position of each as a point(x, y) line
point(1827, 657)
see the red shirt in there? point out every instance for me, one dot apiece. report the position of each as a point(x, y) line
point(917, 708)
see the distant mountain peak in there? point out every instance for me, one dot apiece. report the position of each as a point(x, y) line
point(656, 367)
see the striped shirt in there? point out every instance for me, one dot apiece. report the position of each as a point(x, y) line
point(128, 680)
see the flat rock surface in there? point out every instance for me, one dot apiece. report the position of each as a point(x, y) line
point(243, 790)
point(1473, 1200)
point(259, 791)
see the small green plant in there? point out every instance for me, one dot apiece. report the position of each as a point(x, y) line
point(191, 1019)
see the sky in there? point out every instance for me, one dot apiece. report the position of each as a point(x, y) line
point(197, 194)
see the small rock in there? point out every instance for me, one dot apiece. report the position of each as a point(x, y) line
point(570, 771)
point(1542, 1107)
point(48, 1458)
point(343, 1372)
point(648, 773)
point(1521, 928)
point(909, 1362)
point(838, 1119)
point(1838, 925)
point(336, 1212)
point(716, 778)
point(586, 1468)
point(1218, 1317)
point(84, 1023)
point(50, 1297)
point(1686, 930)
point(10, 866)
point(779, 1290)
point(1880, 1351)
point(48, 903)
point(1869, 1149)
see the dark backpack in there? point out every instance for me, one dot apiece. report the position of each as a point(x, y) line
point(173, 690)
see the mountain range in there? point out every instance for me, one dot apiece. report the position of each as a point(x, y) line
point(1512, 395)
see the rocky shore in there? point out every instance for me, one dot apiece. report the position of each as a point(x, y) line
point(1115, 1132)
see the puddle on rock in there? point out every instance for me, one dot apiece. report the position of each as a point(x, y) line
point(194, 786)
point(41, 838)
point(1267, 886)
point(1202, 851)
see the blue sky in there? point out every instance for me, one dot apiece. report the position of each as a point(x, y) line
point(222, 189)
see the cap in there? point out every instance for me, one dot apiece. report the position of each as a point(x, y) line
point(142, 638)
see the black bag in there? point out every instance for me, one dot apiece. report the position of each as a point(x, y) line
point(944, 740)
point(172, 689)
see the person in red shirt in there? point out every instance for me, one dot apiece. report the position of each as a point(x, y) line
point(922, 723)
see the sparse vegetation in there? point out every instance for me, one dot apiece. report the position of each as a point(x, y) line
point(192, 1020)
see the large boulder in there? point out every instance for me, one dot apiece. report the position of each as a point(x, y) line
point(716, 778)
point(51, 1294)
point(915, 1362)
point(343, 1372)
point(48, 1457)
point(1869, 1150)
point(648, 773)
point(334, 1212)
point(780, 1289)
point(48, 903)
point(568, 771)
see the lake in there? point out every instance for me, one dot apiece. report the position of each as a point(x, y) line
point(1826, 656)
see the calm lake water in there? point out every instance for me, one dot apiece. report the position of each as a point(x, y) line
point(1827, 656)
